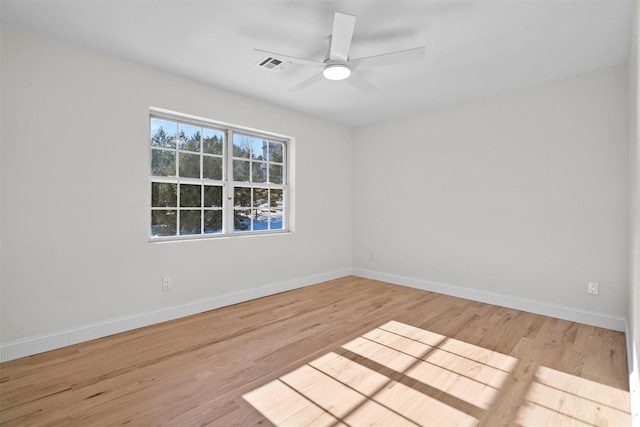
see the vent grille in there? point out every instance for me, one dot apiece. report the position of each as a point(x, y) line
point(271, 64)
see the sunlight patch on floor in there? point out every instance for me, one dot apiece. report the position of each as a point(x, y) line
point(333, 389)
point(400, 375)
point(557, 398)
point(421, 355)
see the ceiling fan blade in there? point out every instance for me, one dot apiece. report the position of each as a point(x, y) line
point(291, 58)
point(360, 83)
point(341, 36)
point(306, 83)
point(389, 58)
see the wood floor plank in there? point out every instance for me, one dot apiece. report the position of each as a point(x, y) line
point(350, 351)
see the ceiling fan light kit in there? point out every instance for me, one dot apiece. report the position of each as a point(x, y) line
point(336, 72)
point(337, 64)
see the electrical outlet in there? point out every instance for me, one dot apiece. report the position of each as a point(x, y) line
point(592, 288)
point(166, 284)
point(371, 256)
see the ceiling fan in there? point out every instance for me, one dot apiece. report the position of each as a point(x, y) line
point(337, 65)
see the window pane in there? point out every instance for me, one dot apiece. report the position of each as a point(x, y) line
point(276, 149)
point(240, 170)
point(163, 195)
point(213, 141)
point(212, 196)
point(190, 222)
point(163, 163)
point(189, 165)
point(260, 220)
point(163, 133)
point(276, 219)
point(241, 220)
point(189, 196)
point(212, 222)
point(260, 197)
point(212, 167)
point(242, 197)
point(275, 174)
point(277, 200)
point(258, 172)
point(241, 145)
point(163, 223)
point(189, 137)
point(259, 149)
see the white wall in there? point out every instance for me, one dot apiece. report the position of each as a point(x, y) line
point(522, 194)
point(633, 332)
point(75, 193)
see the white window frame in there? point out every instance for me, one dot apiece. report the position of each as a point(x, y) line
point(227, 182)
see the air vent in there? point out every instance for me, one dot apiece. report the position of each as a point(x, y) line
point(271, 64)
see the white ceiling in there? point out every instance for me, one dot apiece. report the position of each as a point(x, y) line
point(473, 48)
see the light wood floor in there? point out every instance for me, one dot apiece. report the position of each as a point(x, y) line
point(346, 352)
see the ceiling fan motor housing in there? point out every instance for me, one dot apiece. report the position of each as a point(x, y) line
point(336, 71)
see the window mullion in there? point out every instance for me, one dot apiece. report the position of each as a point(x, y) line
point(229, 212)
point(200, 152)
point(178, 184)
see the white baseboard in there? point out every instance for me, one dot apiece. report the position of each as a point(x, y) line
point(51, 341)
point(634, 377)
point(566, 313)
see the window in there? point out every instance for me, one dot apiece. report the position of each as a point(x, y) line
point(212, 180)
